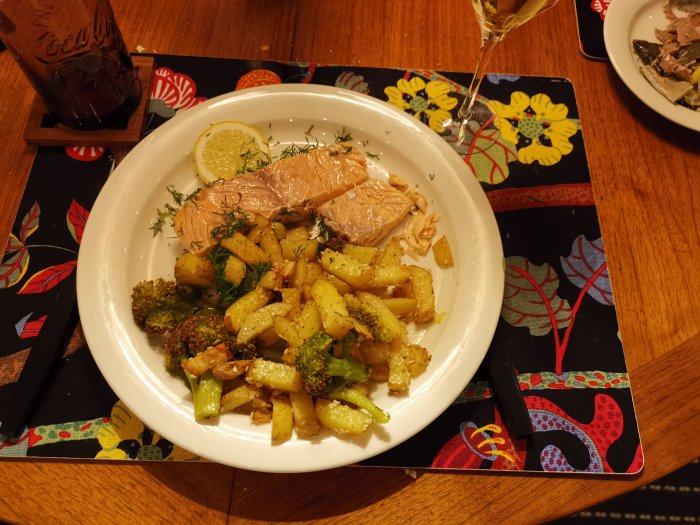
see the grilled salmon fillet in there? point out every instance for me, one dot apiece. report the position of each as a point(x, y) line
point(296, 185)
point(367, 213)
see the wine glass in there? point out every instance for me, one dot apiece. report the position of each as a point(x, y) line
point(496, 19)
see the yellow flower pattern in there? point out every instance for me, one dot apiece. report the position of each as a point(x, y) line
point(538, 127)
point(125, 437)
point(417, 97)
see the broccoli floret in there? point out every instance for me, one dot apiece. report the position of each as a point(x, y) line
point(321, 372)
point(356, 397)
point(190, 337)
point(197, 333)
point(159, 305)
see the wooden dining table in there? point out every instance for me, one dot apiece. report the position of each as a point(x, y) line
point(645, 174)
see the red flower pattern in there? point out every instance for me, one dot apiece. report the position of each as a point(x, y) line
point(176, 90)
point(600, 7)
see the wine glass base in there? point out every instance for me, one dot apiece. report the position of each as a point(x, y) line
point(473, 134)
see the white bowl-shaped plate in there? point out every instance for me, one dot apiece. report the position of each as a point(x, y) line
point(627, 20)
point(118, 250)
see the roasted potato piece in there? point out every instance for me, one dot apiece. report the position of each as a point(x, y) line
point(272, 280)
point(234, 270)
point(443, 253)
point(373, 353)
point(194, 270)
point(346, 268)
point(371, 311)
point(309, 320)
point(279, 229)
point(363, 254)
point(276, 376)
point(416, 358)
point(294, 249)
point(339, 284)
point(399, 376)
point(379, 372)
point(300, 232)
point(304, 414)
point(260, 222)
point(406, 361)
point(334, 314)
point(306, 273)
point(422, 292)
point(245, 305)
point(282, 419)
point(292, 296)
point(402, 307)
point(259, 321)
point(385, 276)
point(287, 330)
point(270, 244)
point(269, 337)
point(238, 396)
point(245, 249)
point(391, 254)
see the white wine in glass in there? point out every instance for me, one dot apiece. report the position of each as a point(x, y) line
point(496, 19)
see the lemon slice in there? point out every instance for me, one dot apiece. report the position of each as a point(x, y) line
point(227, 149)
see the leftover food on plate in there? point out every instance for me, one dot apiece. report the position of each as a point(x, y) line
point(672, 63)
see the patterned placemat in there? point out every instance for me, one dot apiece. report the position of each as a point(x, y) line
point(590, 17)
point(558, 321)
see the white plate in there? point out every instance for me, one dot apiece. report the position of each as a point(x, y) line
point(118, 250)
point(636, 19)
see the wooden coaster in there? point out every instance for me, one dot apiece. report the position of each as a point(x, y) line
point(37, 132)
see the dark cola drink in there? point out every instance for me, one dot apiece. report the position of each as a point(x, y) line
point(74, 55)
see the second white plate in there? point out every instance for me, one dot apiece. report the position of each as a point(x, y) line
point(625, 21)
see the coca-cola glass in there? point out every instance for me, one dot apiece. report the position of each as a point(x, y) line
point(73, 54)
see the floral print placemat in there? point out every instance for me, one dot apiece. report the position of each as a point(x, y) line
point(557, 322)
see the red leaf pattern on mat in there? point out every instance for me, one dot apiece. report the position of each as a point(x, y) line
point(13, 269)
point(30, 222)
point(32, 328)
point(46, 279)
point(13, 244)
point(76, 218)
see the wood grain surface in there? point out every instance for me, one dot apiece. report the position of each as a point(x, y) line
point(645, 180)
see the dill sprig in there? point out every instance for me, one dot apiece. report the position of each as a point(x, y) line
point(343, 136)
point(169, 210)
point(326, 236)
point(235, 219)
point(252, 160)
point(228, 291)
point(297, 149)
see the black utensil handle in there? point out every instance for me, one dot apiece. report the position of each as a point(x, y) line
point(504, 382)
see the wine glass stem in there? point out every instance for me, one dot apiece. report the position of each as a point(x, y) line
point(488, 44)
